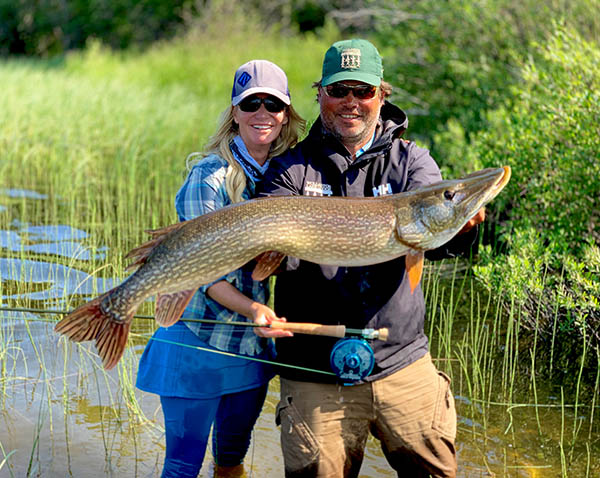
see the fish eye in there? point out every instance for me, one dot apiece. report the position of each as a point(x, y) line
point(449, 195)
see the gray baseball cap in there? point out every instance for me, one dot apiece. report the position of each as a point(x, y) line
point(259, 76)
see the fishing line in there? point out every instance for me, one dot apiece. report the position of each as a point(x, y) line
point(230, 354)
point(209, 321)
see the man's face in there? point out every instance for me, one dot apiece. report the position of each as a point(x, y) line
point(352, 120)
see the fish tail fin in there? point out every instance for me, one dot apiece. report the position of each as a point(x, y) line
point(84, 323)
point(90, 322)
point(111, 342)
point(140, 254)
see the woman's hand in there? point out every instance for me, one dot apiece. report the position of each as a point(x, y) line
point(264, 315)
point(227, 295)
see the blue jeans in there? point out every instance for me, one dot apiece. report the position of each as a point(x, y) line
point(187, 427)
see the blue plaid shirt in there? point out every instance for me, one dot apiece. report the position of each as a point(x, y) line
point(203, 192)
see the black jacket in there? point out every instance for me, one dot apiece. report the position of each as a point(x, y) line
point(359, 297)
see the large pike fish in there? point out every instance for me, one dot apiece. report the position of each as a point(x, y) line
point(325, 230)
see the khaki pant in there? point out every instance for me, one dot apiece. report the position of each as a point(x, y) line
point(324, 427)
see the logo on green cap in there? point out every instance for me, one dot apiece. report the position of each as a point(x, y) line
point(354, 59)
point(350, 58)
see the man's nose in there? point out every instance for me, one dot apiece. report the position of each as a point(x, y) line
point(350, 98)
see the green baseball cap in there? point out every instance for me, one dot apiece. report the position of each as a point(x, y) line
point(352, 60)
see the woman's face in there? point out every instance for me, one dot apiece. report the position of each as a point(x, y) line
point(261, 127)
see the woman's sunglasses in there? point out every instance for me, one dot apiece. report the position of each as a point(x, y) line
point(252, 104)
point(341, 90)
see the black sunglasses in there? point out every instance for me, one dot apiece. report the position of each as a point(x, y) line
point(361, 92)
point(252, 104)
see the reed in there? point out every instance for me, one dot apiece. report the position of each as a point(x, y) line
point(5, 458)
point(483, 349)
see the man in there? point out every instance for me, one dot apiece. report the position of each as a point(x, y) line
point(355, 148)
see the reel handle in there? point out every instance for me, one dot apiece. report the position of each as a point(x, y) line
point(383, 334)
point(313, 329)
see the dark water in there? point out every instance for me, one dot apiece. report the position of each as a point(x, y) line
point(62, 415)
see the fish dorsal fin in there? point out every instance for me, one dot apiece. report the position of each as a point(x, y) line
point(266, 264)
point(140, 254)
point(414, 268)
point(169, 307)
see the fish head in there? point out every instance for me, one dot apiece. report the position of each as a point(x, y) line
point(437, 212)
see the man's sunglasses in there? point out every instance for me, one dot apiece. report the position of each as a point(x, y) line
point(252, 104)
point(341, 90)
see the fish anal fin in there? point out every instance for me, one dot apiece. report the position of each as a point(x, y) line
point(140, 254)
point(169, 307)
point(414, 268)
point(266, 264)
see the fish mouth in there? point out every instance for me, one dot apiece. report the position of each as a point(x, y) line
point(503, 181)
point(484, 184)
point(500, 182)
point(480, 188)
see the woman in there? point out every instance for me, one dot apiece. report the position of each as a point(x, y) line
point(202, 388)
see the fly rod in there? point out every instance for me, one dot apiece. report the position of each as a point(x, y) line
point(296, 327)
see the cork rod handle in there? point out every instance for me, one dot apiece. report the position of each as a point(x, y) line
point(313, 329)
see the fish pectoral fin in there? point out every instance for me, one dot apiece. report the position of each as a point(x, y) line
point(414, 268)
point(266, 264)
point(169, 307)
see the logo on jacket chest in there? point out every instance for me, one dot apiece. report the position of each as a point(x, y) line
point(382, 190)
point(312, 188)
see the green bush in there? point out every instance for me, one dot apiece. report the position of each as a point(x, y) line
point(455, 61)
point(51, 27)
point(549, 214)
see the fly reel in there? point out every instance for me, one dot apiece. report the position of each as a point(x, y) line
point(352, 359)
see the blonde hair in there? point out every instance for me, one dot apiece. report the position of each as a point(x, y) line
point(218, 143)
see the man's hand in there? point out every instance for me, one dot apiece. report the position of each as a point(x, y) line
point(476, 219)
